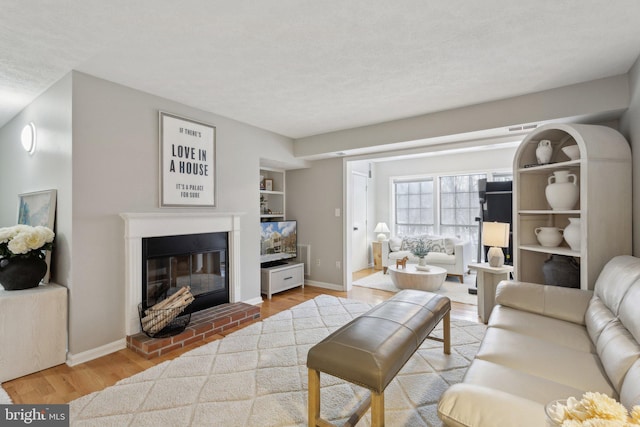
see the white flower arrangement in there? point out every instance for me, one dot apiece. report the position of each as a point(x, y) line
point(593, 410)
point(25, 241)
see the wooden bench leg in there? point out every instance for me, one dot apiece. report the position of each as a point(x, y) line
point(377, 409)
point(314, 397)
point(446, 332)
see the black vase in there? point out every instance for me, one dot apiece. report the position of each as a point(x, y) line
point(561, 270)
point(21, 273)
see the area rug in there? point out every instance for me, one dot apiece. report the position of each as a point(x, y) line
point(452, 288)
point(4, 397)
point(257, 376)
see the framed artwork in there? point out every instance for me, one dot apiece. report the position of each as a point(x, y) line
point(268, 184)
point(187, 162)
point(38, 208)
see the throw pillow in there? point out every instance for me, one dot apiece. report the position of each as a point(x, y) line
point(395, 243)
point(436, 245)
point(409, 243)
point(450, 244)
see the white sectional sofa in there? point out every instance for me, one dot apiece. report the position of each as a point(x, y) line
point(548, 342)
point(450, 253)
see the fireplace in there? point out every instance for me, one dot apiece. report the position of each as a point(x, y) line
point(141, 226)
point(198, 261)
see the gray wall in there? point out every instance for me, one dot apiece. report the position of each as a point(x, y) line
point(630, 127)
point(313, 195)
point(113, 168)
point(48, 168)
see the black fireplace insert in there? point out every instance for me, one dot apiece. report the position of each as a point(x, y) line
point(195, 260)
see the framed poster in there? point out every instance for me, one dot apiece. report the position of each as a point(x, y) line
point(39, 208)
point(187, 162)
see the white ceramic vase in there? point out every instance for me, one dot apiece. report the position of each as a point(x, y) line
point(544, 152)
point(572, 234)
point(549, 236)
point(562, 190)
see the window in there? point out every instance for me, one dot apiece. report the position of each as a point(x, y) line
point(441, 205)
point(460, 206)
point(414, 206)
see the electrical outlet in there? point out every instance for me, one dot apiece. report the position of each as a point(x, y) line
point(338, 265)
point(318, 261)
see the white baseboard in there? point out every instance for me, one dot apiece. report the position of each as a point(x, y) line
point(254, 301)
point(85, 356)
point(324, 285)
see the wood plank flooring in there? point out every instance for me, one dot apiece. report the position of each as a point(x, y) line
point(62, 384)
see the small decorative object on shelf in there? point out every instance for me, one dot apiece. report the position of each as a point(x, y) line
point(561, 270)
point(22, 256)
point(544, 152)
point(572, 152)
point(549, 236)
point(572, 234)
point(593, 409)
point(561, 192)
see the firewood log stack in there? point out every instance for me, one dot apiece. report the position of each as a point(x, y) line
point(161, 314)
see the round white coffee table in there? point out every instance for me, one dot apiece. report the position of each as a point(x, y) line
point(412, 278)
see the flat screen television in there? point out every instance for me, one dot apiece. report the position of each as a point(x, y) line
point(278, 242)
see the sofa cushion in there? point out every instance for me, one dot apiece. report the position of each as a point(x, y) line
point(432, 244)
point(450, 244)
point(516, 382)
point(545, 359)
point(559, 332)
point(395, 243)
point(409, 243)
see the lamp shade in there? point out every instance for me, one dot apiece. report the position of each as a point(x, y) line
point(381, 228)
point(495, 234)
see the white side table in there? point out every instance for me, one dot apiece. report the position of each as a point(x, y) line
point(33, 330)
point(487, 280)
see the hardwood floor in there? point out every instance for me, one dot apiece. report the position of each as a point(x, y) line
point(62, 384)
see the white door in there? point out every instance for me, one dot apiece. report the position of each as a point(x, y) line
point(359, 246)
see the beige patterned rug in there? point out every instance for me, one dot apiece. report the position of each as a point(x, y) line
point(4, 397)
point(257, 377)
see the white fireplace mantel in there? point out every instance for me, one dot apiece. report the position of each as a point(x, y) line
point(155, 224)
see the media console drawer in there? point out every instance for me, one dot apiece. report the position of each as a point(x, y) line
point(281, 278)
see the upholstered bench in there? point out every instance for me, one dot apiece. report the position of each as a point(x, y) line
point(371, 349)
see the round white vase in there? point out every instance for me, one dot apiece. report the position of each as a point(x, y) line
point(544, 152)
point(572, 234)
point(549, 236)
point(562, 191)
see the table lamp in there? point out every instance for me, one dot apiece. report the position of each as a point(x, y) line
point(495, 235)
point(381, 228)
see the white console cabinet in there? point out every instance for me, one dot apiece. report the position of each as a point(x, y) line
point(282, 277)
point(33, 330)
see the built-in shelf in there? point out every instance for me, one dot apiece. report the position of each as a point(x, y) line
point(272, 193)
point(603, 174)
point(558, 250)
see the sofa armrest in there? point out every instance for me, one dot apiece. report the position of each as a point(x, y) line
point(462, 251)
point(472, 405)
point(552, 301)
point(385, 253)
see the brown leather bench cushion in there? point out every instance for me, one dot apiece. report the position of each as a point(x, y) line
point(371, 349)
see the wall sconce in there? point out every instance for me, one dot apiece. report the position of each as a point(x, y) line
point(28, 138)
point(496, 235)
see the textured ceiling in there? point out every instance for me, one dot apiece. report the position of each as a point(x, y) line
point(305, 67)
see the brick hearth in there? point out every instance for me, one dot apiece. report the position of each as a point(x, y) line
point(203, 324)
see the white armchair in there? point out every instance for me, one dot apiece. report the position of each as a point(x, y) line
point(455, 260)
